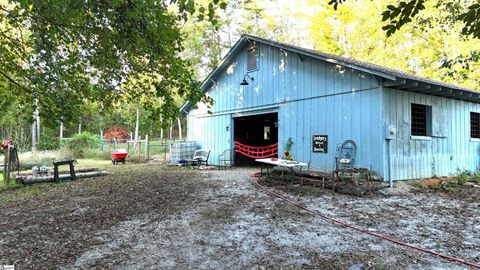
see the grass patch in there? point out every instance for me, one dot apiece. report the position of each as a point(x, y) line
point(27, 192)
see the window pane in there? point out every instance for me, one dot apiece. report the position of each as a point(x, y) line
point(266, 133)
point(419, 120)
point(252, 57)
point(474, 125)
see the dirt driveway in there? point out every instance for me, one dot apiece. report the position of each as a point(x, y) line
point(154, 217)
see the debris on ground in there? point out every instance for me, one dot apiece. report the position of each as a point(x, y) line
point(159, 217)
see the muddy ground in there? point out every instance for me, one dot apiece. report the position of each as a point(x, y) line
point(154, 217)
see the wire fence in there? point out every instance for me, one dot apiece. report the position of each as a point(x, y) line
point(156, 148)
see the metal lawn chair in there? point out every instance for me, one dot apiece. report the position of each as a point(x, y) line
point(200, 158)
point(226, 158)
point(345, 158)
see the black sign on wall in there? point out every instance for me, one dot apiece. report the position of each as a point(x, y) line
point(320, 143)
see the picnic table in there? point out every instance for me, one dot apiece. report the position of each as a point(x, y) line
point(283, 163)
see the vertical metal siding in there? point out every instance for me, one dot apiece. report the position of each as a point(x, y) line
point(313, 98)
point(449, 150)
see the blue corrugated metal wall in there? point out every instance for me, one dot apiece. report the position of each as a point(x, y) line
point(448, 150)
point(311, 97)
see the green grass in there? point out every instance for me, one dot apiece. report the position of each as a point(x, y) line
point(18, 192)
point(459, 180)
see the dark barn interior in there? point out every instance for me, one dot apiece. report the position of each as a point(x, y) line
point(255, 130)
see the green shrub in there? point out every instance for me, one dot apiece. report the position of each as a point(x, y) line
point(460, 179)
point(48, 143)
point(81, 143)
point(97, 154)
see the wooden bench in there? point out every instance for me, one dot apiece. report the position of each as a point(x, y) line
point(56, 177)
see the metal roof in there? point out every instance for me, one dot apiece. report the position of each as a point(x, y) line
point(391, 78)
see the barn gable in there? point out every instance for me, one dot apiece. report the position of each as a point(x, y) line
point(298, 94)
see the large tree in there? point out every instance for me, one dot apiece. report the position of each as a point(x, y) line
point(65, 52)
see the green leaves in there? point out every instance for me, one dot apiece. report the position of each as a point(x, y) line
point(98, 51)
point(399, 15)
point(471, 18)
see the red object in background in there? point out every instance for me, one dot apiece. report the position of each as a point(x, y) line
point(119, 155)
point(274, 159)
point(5, 144)
point(256, 151)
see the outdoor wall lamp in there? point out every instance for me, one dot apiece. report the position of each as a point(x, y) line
point(244, 82)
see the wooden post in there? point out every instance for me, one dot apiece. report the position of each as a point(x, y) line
point(146, 147)
point(102, 141)
point(5, 163)
point(171, 128)
point(8, 164)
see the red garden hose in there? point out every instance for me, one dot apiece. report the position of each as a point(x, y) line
point(398, 242)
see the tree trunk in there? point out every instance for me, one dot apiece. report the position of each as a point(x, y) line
point(137, 124)
point(35, 127)
point(38, 125)
point(179, 128)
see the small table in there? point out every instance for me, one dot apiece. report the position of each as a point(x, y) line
point(289, 164)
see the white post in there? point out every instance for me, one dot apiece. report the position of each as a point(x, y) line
point(38, 124)
point(161, 127)
point(35, 127)
point(80, 127)
point(136, 144)
point(171, 128)
point(137, 123)
point(179, 128)
point(34, 135)
point(61, 133)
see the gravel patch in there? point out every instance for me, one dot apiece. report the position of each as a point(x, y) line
point(160, 218)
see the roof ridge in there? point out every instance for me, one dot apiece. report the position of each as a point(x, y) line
point(369, 65)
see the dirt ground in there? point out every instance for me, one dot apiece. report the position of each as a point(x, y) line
point(155, 217)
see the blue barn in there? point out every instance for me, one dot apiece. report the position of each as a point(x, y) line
point(404, 126)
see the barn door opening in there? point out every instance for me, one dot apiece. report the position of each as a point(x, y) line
point(257, 131)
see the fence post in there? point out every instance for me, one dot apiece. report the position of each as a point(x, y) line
point(7, 166)
point(165, 149)
point(146, 147)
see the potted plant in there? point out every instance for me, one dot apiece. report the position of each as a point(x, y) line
point(287, 152)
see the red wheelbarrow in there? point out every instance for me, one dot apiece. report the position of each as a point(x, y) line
point(119, 155)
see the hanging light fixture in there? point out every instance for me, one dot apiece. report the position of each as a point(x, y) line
point(244, 81)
